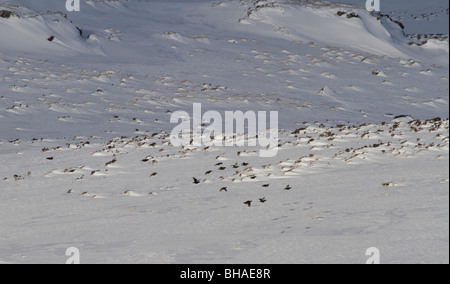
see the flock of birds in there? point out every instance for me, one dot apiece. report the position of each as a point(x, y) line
point(248, 202)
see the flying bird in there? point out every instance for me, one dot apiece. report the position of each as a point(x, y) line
point(223, 189)
point(262, 200)
point(196, 181)
point(248, 203)
point(266, 185)
point(288, 187)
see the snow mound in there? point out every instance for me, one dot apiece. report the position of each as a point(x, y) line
point(41, 32)
point(335, 24)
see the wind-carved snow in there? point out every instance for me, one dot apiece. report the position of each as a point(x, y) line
point(85, 146)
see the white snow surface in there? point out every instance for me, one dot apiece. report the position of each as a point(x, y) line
point(86, 160)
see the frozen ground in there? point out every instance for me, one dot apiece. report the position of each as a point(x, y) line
point(86, 160)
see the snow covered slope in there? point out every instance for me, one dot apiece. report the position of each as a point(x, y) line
point(39, 32)
point(417, 16)
point(85, 105)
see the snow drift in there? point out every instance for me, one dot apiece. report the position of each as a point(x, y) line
point(41, 32)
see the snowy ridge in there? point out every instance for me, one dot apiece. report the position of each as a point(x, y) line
point(354, 29)
point(340, 25)
point(41, 32)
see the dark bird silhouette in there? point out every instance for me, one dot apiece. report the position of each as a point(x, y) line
point(248, 203)
point(262, 200)
point(219, 164)
point(245, 164)
point(110, 162)
point(196, 181)
point(266, 185)
point(208, 172)
point(223, 189)
point(153, 174)
point(235, 166)
point(222, 168)
point(288, 187)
